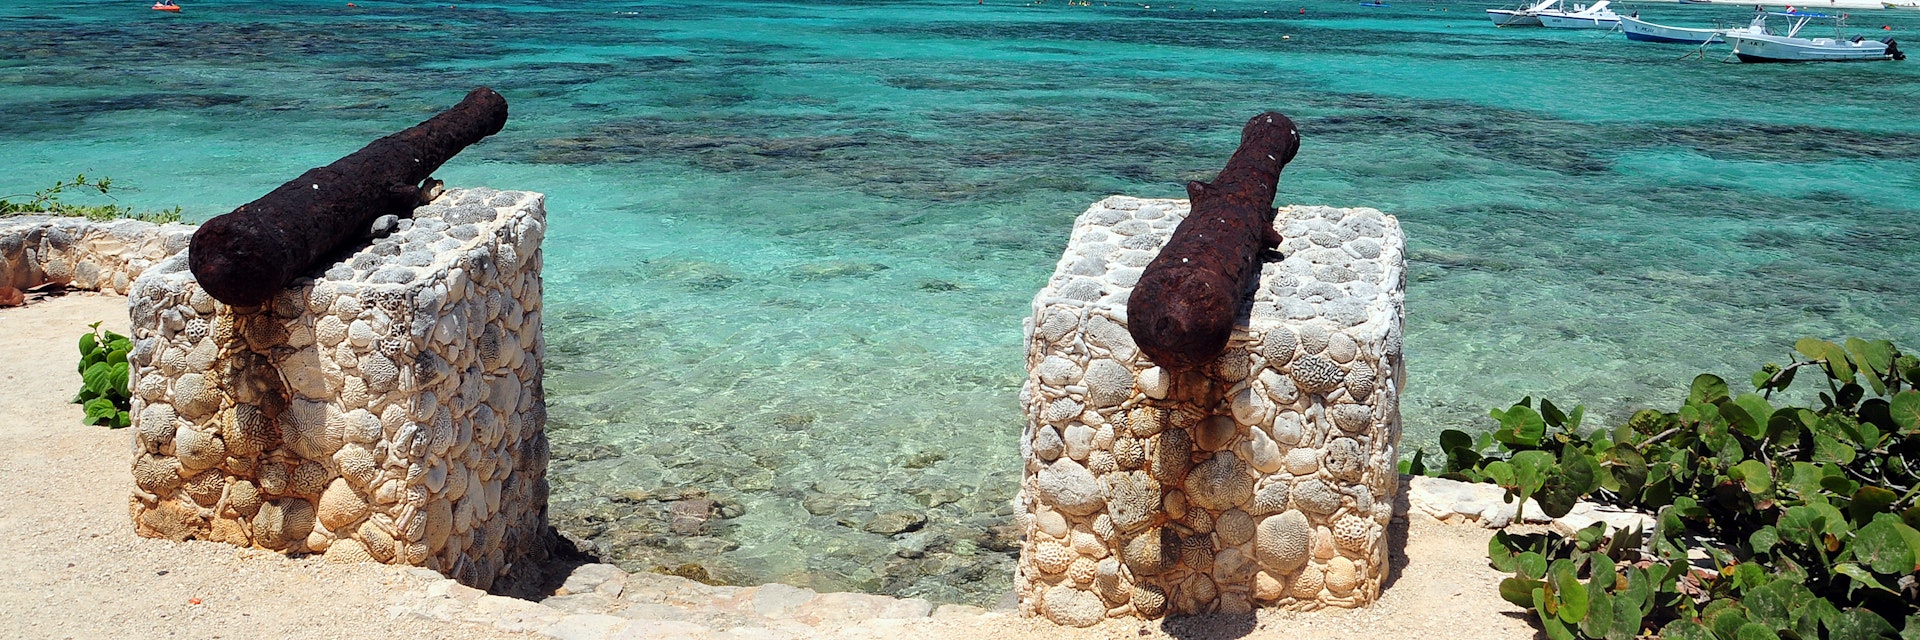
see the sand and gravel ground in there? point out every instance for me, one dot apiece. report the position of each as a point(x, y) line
point(71, 566)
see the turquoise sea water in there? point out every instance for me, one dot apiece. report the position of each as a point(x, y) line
point(791, 243)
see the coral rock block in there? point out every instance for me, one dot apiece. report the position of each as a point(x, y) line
point(389, 409)
point(75, 252)
point(1264, 478)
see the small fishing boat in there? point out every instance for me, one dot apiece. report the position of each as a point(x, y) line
point(1910, 4)
point(1637, 29)
point(1696, 1)
point(163, 6)
point(1527, 16)
point(1375, 4)
point(1756, 43)
point(1597, 16)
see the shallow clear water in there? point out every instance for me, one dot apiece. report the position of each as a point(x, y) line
point(792, 243)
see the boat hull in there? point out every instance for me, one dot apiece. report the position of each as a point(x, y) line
point(1644, 31)
point(1568, 22)
point(1772, 48)
point(1510, 18)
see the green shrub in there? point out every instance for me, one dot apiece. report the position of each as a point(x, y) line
point(1773, 522)
point(103, 374)
point(47, 202)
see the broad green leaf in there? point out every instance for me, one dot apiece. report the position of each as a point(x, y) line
point(1912, 631)
point(1836, 523)
point(1869, 501)
point(1603, 574)
point(1881, 548)
point(1746, 575)
point(1706, 389)
point(1858, 624)
point(1755, 631)
point(1754, 474)
point(1575, 417)
point(1861, 576)
point(1905, 407)
point(1567, 587)
point(1828, 449)
point(97, 379)
point(87, 343)
point(1532, 565)
point(1685, 630)
point(1626, 620)
point(1874, 356)
point(1521, 425)
point(1738, 418)
point(1817, 613)
point(1556, 499)
point(1757, 408)
point(1501, 473)
point(1786, 424)
point(1912, 537)
point(121, 420)
point(100, 409)
point(1764, 539)
point(1829, 353)
point(1804, 479)
point(1531, 469)
point(1579, 471)
point(1727, 619)
point(1769, 605)
point(1600, 616)
point(1873, 359)
point(1552, 414)
point(1499, 555)
point(1451, 439)
point(1556, 630)
point(1802, 525)
point(1629, 467)
point(117, 379)
point(1519, 591)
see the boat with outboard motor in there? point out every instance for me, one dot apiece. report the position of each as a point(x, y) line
point(1637, 29)
point(1527, 16)
point(1582, 16)
point(1757, 43)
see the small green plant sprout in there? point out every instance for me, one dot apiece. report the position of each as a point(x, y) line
point(103, 375)
point(48, 202)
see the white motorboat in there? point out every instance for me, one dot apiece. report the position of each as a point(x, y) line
point(1637, 29)
point(1524, 17)
point(1756, 43)
point(1597, 16)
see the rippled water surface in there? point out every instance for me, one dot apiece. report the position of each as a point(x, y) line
point(792, 243)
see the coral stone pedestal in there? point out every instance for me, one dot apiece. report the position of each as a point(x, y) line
point(388, 409)
point(1265, 478)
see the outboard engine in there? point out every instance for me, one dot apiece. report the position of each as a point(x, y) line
point(1893, 50)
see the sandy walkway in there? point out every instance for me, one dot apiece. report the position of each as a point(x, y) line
point(71, 567)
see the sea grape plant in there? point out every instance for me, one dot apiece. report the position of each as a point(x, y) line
point(103, 375)
point(1795, 522)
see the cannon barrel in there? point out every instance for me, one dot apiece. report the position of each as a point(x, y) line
point(244, 257)
point(1182, 311)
